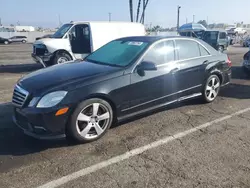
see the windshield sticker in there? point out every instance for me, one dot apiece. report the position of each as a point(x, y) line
point(135, 43)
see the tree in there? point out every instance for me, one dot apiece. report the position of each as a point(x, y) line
point(138, 10)
point(131, 10)
point(142, 18)
point(203, 22)
point(145, 4)
point(39, 29)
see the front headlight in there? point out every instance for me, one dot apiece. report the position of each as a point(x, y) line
point(51, 99)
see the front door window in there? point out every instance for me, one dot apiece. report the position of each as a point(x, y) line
point(79, 37)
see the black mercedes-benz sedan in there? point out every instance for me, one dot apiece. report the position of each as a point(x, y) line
point(125, 77)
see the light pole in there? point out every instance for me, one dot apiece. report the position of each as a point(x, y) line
point(193, 18)
point(178, 16)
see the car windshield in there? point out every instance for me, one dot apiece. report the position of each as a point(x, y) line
point(61, 31)
point(210, 36)
point(118, 53)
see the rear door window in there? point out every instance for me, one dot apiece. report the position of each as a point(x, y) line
point(187, 49)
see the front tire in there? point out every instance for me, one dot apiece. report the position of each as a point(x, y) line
point(6, 42)
point(90, 121)
point(23, 41)
point(221, 49)
point(211, 89)
point(61, 57)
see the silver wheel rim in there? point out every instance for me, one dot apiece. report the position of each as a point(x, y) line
point(5, 42)
point(62, 60)
point(92, 121)
point(212, 88)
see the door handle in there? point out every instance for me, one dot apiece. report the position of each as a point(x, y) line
point(205, 62)
point(173, 71)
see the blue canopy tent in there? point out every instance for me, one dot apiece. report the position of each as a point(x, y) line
point(192, 30)
point(192, 27)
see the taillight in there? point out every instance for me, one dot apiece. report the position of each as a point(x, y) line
point(229, 62)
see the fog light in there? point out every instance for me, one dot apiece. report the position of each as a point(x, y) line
point(62, 111)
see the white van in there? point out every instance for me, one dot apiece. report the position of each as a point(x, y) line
point(75, 40)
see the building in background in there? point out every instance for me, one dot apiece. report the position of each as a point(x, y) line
point(20, 28)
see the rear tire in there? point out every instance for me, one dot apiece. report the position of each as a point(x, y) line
point(90, 121)
point(6, 42)
point(211, 88)
point(23, 41)
point(61, 57)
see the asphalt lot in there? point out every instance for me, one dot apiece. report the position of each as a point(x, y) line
point(217, 154)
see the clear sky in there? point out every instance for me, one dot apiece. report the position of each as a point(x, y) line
point(163, 12)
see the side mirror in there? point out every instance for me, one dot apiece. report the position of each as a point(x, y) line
point(146, 66)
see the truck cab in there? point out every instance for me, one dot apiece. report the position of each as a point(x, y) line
point(75, 40)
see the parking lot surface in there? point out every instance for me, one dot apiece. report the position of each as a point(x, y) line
point(185, 145)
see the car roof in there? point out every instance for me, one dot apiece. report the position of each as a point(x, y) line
point(152, 39)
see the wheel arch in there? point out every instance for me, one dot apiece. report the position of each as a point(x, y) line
point(62, 51)
point(217, 73)
point(105, 97)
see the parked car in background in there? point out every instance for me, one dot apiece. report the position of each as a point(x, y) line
point(230, 30)
point(246, 62)
point(4, 41)
point(45, 36)
point(246, 41)
point(124, 78)
point(75, 40)
point(15, 39)
point(240, 31)
point(217, 39)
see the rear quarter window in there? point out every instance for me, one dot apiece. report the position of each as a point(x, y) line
point(203, 51)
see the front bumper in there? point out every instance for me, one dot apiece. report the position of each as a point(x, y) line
point(41, 123)
point(42, 59)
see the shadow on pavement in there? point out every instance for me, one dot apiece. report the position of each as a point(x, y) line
point(239, 73)
point(236, 91)
point(19, 68)
point(14, 143)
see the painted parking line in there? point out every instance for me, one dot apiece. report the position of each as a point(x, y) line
point(134, 152)
point(6, 91)
point(12, 78)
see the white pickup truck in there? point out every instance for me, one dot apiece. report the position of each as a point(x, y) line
point(75, 40)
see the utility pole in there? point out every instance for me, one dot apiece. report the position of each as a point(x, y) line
point(207, 20)
point(186, 20)
point(193, 18)
point(110, 16)
point(178, 16)
point(0, 21)
point(59, 20)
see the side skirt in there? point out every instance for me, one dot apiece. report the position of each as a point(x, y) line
point(159, 106)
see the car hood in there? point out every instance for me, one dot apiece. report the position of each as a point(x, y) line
point(67, 76)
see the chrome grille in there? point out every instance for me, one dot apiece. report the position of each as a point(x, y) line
point(19, 96)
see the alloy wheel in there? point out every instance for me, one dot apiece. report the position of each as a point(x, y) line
point(62, 60)
point(212, 88)
point(93, 120)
